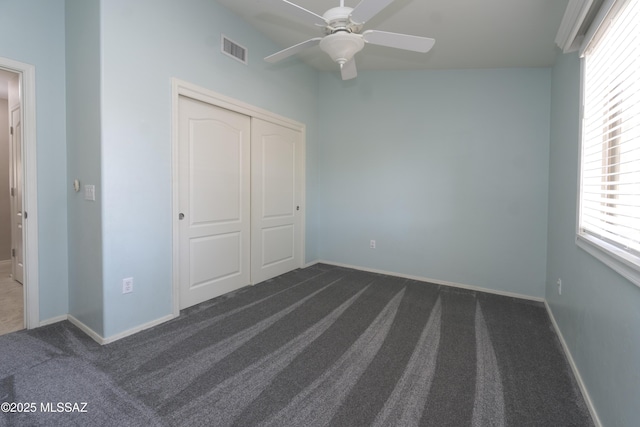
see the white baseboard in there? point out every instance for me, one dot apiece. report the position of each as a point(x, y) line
point(434, 281)
point(574, 368)
point(137, 329)
point(102, 341)
point(311, 264)
point(87, 330)
point(53, 320)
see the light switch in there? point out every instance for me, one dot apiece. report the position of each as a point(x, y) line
point(90, 192)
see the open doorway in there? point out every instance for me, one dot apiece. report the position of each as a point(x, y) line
point(12, 317)
point(26, 206)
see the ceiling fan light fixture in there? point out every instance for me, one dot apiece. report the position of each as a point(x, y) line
point(341, 46)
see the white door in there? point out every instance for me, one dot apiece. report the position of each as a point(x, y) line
point(214, 201)
point(17, 251)
point(276, 193)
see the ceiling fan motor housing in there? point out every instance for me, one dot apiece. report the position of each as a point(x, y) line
point(338, 19)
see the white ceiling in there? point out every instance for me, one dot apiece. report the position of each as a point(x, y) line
point(468, 33)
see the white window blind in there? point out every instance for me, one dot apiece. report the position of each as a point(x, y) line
point(610, 163)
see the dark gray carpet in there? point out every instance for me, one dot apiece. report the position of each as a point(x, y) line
point(314, 347)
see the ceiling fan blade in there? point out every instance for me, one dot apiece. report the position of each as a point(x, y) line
point(301, 13)
point(285, 53)
point(348, 70)
point(367, 9)
point(399, 41)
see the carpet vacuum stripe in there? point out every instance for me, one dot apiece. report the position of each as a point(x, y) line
point(235, 394)
point(320, 346)
point(369, 394)
point(317, 403)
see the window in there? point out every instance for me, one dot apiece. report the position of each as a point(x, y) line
point(609, 213)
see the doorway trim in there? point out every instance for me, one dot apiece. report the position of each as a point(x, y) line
point(190, 90)
point(27, 74)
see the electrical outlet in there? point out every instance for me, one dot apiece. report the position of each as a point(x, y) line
point(559, 286)
point(127, 285)
point(372, 244)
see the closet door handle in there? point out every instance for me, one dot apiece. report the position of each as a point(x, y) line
point(180, 216)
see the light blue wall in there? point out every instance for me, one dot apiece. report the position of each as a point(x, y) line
point(450, 171)
point(144, 44)
point(446, 170)
point(598, 311)
point(83, 161)
point(32, 32)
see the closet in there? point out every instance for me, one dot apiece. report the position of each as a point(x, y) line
point(240, 193)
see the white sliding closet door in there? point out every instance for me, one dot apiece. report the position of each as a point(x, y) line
point(214, 201)
point(276, 186)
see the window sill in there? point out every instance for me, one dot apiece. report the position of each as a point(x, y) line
point(624, 264)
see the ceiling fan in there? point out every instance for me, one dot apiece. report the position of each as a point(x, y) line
point(343, 34)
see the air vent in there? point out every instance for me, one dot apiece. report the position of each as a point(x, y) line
point(234, 50)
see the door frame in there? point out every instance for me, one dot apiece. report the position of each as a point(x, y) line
point(183, 88)
point(27, 89)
